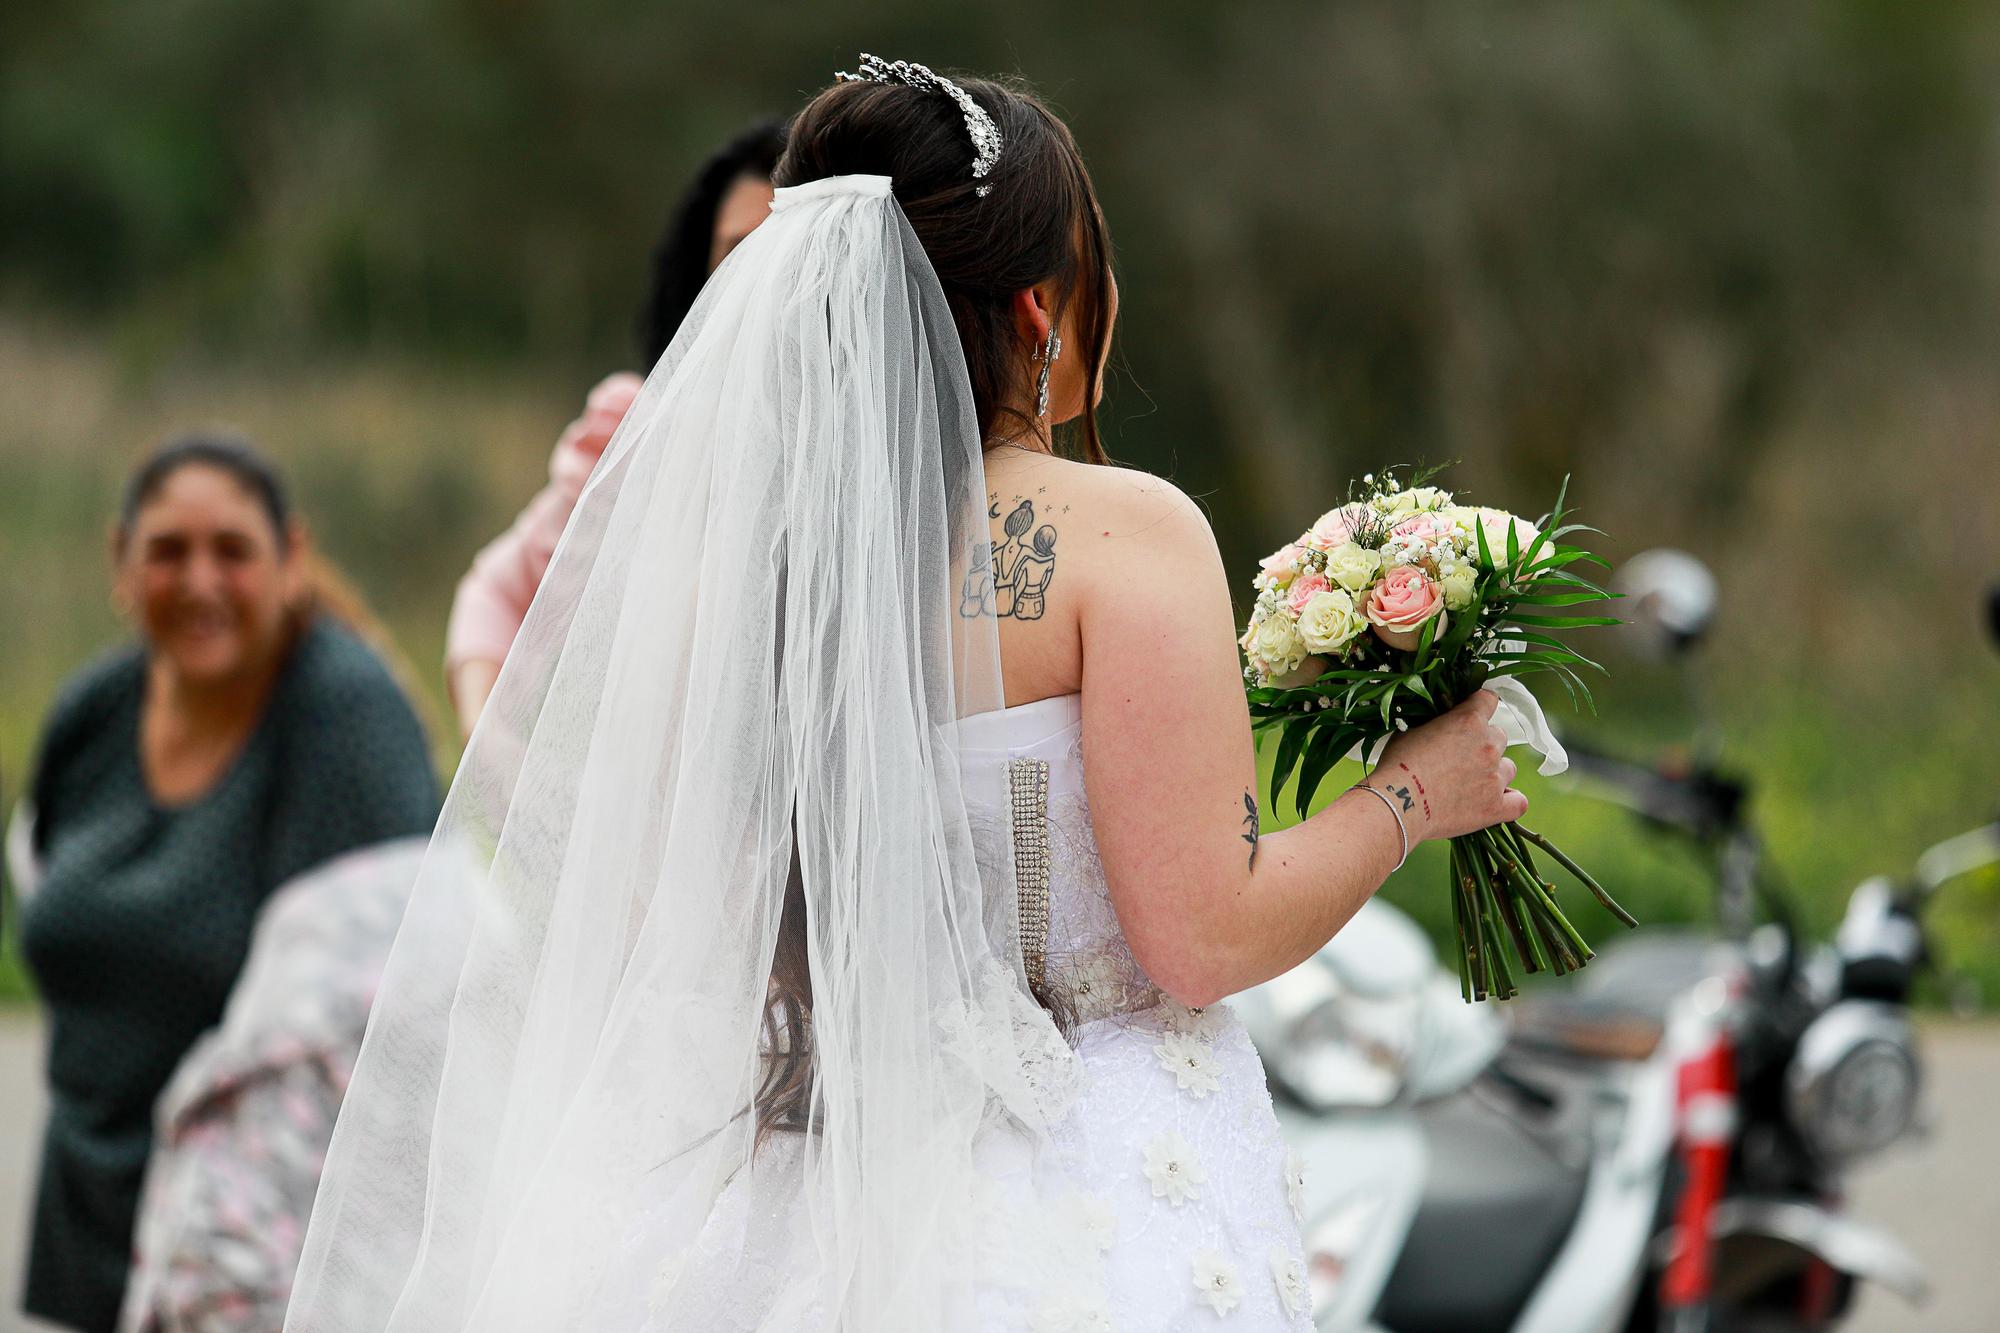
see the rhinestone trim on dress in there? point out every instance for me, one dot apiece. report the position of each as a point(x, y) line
point(1028, 793)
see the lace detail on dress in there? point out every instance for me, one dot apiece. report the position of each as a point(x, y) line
point(1016, 1048)
point(1088, 960)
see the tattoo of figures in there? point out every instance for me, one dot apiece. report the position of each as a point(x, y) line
point(976, 599)
point(1250, 825)
point(1012, 579)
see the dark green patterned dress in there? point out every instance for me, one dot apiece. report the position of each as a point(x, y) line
point(144, 913)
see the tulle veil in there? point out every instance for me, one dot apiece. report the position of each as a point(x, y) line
point(749, 646)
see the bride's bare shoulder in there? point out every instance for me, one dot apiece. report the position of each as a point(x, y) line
point(1077, 546)
point(1106, 506)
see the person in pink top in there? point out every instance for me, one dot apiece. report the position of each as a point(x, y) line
point(726, 201)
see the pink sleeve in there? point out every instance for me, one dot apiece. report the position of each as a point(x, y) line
point(493, 597)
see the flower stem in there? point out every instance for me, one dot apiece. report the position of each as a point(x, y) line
point(1499, 894)
point(1511, 912)
point(1458, 921)
point(1471, 940)
point(1610, 904)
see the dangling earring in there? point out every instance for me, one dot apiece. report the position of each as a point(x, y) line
point(1050, 351)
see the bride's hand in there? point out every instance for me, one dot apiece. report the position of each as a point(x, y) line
point(1451, 775)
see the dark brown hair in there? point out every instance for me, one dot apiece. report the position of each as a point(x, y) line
point(1040, 222)
point(680, 257)
point(229, 454)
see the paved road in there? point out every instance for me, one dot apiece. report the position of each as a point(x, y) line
point(20, 1124)
point(1940, 1195)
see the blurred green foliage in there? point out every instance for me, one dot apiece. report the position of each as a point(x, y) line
point(1733, 266)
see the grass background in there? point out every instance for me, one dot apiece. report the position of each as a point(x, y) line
point(1862, 748)
point(1734, 268)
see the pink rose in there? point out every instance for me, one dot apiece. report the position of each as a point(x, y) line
point(1399, 605)
point(1282, 564)
point(1428, 526)
point(1333, 529)
point(1304, 588)
point(1497, 524)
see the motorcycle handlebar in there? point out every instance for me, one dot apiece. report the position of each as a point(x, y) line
point(1700, 803)
point(1957, 856)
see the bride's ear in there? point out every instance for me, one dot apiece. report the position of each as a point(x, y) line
point(1031, 316)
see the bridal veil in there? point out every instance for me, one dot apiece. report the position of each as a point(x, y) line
point(748, 649)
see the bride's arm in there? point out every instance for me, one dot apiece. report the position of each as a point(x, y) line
point(1207, 907)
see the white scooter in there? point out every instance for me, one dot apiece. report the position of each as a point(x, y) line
point(1432, 1201)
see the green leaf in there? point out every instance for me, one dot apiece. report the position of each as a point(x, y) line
point(1389, 703)
point(1290, 746)
point(1569, 555)
point(1568, 579)
point(1570, 677)
point(1564, 622)
point(1424, 644)
point(1538, 655)
point(1530, 636)
point(1558, 598)
point(1542, 537)
point(1322, 753)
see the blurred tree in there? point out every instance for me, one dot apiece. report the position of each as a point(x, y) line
point(1637, 239)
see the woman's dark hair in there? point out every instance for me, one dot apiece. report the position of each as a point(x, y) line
point(229, 454)
point(1039, 222)
point(680, 257)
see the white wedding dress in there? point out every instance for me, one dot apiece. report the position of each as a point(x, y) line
point(1170, 1203)
point(751, 655)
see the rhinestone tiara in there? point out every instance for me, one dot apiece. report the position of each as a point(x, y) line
point(986, 141)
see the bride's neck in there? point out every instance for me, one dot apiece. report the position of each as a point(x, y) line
point(1029, 444)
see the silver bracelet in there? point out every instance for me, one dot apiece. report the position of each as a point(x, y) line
point(1401, 827)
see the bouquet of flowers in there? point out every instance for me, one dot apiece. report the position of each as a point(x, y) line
point(1390, 610)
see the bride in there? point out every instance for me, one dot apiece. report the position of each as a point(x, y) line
point(812, 940)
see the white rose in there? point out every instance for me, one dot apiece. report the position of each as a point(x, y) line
point(1418, 497)
point(1458, 587)
point(1275, 645)
point(1305, 673)
point(1329, 621)
point(1353, 567)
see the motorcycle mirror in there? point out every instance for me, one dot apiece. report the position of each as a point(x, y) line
point(1670, 601)
point(1958, 856)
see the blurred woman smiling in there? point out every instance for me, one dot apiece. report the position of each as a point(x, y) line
point(246, 736)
